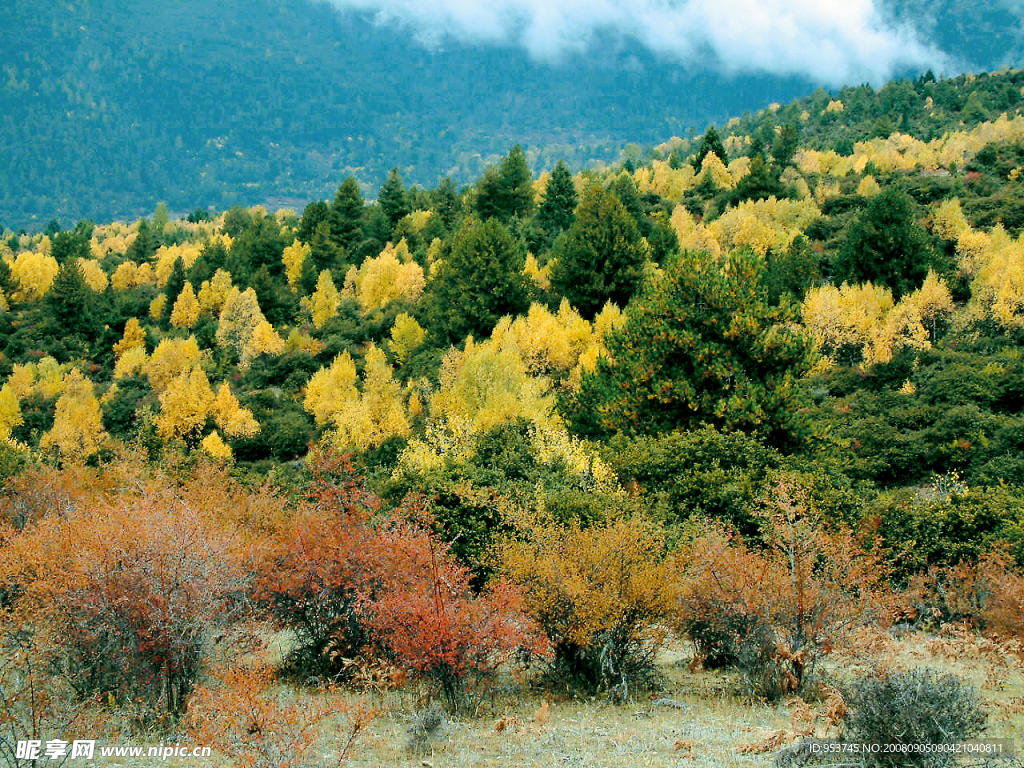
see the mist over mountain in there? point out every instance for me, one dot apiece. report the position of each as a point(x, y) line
point(109, 106)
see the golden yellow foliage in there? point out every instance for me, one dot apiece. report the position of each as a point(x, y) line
point(390, 276)
point(213, 445)
point(835, 107)
point(93, 275)
point(712, 167)
point(50, 377)
point(34, 273)
point(933, 301)
point(10, 412)
point(998, 288)
point(78, 423)
point(546, 342)
point(214, 292)
point(540, 277)
point(239, 317)
point(166, 257)
point(21, 380)
point(298, 341)
point(294, 258)
point(158, 306)
point(324, 303)
point(133, 336)
point(357, 419)
point(230, 416)
point(406, 336)
point(868, 187)
point(693, 235)
point(763, 225)
point(185, 313)
point(170, 359)
point(133, 360)
point(184, 406)
point(263, 340)
point(949, 221)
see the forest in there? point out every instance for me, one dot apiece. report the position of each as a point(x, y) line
point(733, 425)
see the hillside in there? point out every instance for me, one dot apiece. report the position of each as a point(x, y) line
point(109, 107)
point(736, 419)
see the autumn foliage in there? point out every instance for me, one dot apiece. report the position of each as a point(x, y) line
point(774, 611)
point(354, 582)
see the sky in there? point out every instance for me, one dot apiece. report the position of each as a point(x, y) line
point(834, 42)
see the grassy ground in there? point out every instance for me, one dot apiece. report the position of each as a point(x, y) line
point(699, 719)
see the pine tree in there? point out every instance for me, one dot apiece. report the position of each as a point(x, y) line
point(446, 203)
point(175, 284)
point(558, 208)
point(71, 299)
point(505, 191)
point(700, 345)
point(481, 281)
point(344, 219)
point(600, 258)
point(393, 198)
point(711, 142)
point(885, 246)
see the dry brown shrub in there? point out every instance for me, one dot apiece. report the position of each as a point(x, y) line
point(243, 715)
point(773, 612)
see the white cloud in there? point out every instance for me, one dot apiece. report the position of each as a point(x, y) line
point(831, 41)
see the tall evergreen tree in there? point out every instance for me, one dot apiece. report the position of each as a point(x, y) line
point(69, 246)
point(172, 288)
point(558, 208)
point(600, 257)
point(700, 346)
point(393, 198)
point(711, 142)
point(506, 191)
point(312, 215)
point(71, 299)
point(143, 246)
point(885, 246)
point(446, 202)
point(345, 219)
point(478, 283)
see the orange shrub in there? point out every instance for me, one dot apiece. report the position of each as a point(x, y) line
point(242, 716)
point(128, 592)
point(774, 612)
point(350, 579)
point(599, 594)
point(987, 594)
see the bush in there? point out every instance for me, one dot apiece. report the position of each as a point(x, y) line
point(127, 592)
point(600, 595)
point(987, 594)
point(919, 706)
point(353, 582)
point(772, 613)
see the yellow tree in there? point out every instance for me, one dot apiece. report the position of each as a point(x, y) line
point(93, 275)
point(10, 412)
point(239, 317)
point(230, 416)
point(390, 276)
point(34, 274)
point(78, 423)
point(185, 313)
point(184, 406)
point(214, 292)
point(934, 302)
point(157, 306)
point(294, 258)
point(213, 445)
point(329, 388)
point(325, 300)
point(406, 336)
point(170, 359)
point(383, 402)
point(263, 340)
point(133, 337)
